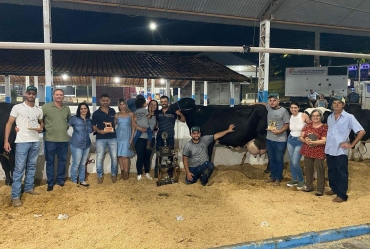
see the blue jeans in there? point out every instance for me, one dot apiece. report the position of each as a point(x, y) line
point(100, 151)
point(79, 158)
point(25, 159)
point(294, 146)
point(275, 151)
point(338, 174)
point(60, 149)
point(202, 172)
point(138, 134)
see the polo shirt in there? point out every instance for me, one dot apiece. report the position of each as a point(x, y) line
point(338, 132)
point(23, 115)
point(166, 122)
point(98, 119)
point(56, 122)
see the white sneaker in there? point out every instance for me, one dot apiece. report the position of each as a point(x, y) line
point(139, 177)
point(148, 176)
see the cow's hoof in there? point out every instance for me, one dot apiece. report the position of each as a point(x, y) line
point(8, 182)
point(266, 171)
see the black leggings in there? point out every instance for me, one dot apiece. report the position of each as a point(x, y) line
point(143, 156)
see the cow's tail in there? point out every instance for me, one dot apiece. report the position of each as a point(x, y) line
point(243, 159)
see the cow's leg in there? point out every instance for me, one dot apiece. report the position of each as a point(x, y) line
point(352, 154)
point(210, 150)
point(7, 163)
point(267, 170)
point(361, 151)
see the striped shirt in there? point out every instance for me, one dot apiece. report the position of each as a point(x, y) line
point(166, 122)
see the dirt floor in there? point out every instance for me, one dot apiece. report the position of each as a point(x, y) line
point(237, 207)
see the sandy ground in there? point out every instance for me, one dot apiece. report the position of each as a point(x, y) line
point(237, 207)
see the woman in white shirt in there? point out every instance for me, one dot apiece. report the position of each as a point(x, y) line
point(297, 121)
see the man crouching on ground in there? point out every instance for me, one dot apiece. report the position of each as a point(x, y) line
point(195, 155)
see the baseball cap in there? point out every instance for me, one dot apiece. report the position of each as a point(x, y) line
point(273, 96)
point(195, 128)
point(340, 98)
point(31, 88)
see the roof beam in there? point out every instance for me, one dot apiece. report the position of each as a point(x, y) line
point(172, 48)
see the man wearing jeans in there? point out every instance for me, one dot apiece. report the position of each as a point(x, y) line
point(28, 118)
point(340, 124)
point(56, 116)
point(277, 123)
point(103, 126)
point(195, 155)
point(166, 119)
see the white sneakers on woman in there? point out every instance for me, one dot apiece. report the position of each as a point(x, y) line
point(147, 175)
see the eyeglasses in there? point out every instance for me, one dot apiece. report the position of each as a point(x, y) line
point(316, 116)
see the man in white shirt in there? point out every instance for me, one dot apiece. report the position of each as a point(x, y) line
point(28, 118)
point(312, 96)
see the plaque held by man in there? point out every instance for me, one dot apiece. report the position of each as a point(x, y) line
point(108, 127)
point(33, 124)
point(272, 125)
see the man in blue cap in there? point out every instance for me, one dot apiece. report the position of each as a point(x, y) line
point(195, 155)
point(337, 144)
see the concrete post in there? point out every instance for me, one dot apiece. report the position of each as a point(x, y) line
point(152, 89)
point(168, 90)
point(232, 97)
point(93, 93)
point(146, 88)
point(8, 95)
point(205, 96)
point(36, 84)
point(47, 53)
point(193, 89)
point(264, 59)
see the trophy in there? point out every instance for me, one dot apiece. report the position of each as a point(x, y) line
point(33, 124)
point(108, 127)
point(272, 125)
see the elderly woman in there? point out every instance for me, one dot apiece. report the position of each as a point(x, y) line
point(313, 137)
point(297, 121)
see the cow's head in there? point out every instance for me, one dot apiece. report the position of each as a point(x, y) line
point(183, 104)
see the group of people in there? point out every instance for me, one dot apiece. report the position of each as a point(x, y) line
point(316, 141)
point(308, 137)
point(317, 100)
point(115, 130)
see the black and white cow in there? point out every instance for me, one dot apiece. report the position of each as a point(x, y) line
point(7, 160)
point(250, 123)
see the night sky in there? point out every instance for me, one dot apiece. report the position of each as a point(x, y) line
point(24, 24)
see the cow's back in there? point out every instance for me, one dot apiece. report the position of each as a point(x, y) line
point(250, 122)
